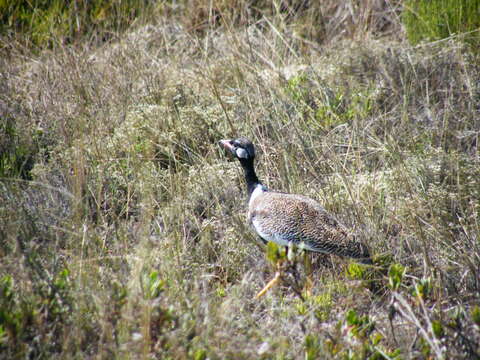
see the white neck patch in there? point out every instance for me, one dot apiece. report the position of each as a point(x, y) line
point(242, 153)
point(259, 190)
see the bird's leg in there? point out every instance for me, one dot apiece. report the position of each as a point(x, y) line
point(270, 284)
point(300, 284)
point(294, 279)
point(280, 265)
point(286, 271)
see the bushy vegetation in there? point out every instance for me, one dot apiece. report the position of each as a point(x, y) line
point(122, 223)
point(48, 23)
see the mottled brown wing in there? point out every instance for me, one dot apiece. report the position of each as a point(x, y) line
point(285, 218)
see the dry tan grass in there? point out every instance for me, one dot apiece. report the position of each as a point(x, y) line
point(130, 240)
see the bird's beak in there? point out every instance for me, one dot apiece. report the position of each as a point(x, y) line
point(227, 144)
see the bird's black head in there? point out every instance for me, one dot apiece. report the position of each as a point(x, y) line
point(241, 148)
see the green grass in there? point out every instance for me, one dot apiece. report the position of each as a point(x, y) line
point(51, 23)
point(440, 19)
point(126, 235)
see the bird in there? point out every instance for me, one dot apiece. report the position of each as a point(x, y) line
point(287, 219)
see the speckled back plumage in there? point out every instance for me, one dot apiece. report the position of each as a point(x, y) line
point(285, 218)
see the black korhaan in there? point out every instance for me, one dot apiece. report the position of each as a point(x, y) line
point(292, 219)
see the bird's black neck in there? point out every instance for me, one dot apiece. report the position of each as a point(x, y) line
point(250, 175)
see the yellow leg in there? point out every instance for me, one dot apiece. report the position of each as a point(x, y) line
point(270, 284)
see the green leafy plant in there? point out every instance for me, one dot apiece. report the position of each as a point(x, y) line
point(475, 313)
point(275, 253)
point(396, 273)
point(360, 326)
point(312, 347)
point(356, 271)
point(423, 288)
point(153, 286)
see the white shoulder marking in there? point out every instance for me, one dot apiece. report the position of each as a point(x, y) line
point(259, 190)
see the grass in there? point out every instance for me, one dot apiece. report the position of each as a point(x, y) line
point(440, 19)
point(122, 223)
point(48, 24)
